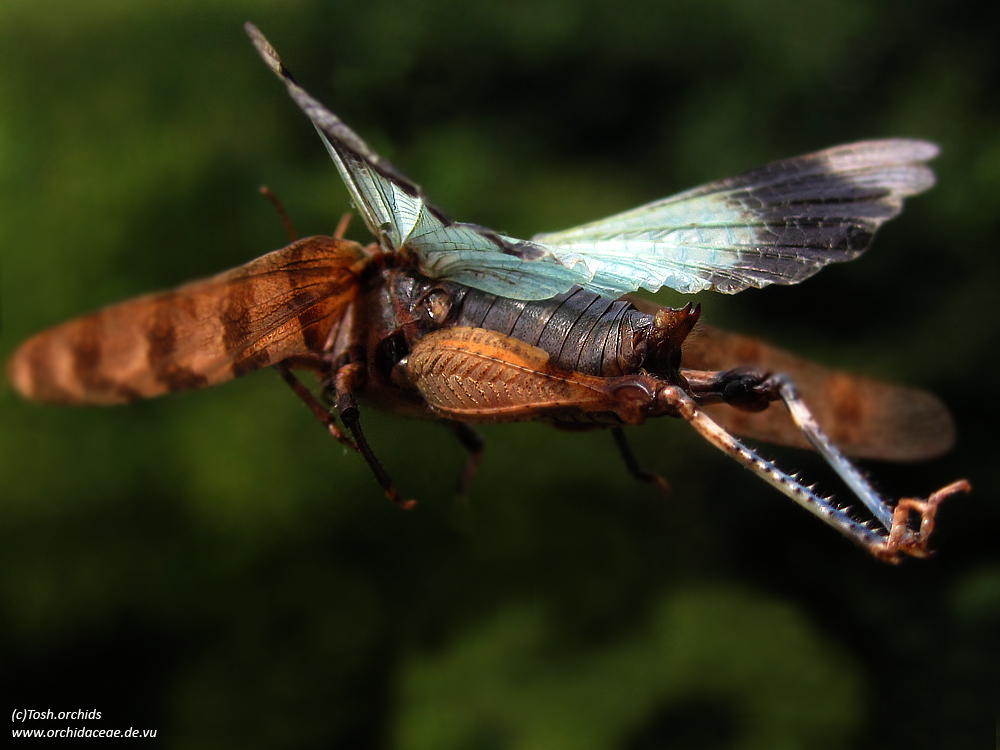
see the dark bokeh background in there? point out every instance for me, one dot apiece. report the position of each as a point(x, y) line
point(213, 566)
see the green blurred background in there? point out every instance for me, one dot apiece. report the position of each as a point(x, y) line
point(215, 567)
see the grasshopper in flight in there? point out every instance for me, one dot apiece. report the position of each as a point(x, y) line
point(453, 321)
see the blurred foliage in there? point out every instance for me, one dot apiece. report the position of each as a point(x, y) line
point(212, 566)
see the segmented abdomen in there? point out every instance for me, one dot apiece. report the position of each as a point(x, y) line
point(580, 330)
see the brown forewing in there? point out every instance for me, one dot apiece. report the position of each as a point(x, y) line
point(206, 332)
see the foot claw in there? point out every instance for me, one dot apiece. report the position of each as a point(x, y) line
point(903, 539)
point(399, 502)
point(661, 484)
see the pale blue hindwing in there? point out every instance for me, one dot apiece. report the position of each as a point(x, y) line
point(777, 224)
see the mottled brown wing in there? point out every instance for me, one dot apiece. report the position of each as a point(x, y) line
point(864, 417)
point(281, 305)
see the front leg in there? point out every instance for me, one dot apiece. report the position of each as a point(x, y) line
point(318, 409)
point(347, 381)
